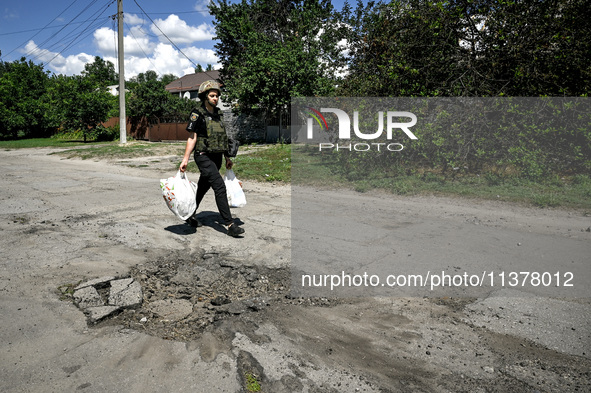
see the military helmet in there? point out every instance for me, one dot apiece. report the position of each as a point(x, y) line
point(207, 86)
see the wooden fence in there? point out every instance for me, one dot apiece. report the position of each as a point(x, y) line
point(154, 131)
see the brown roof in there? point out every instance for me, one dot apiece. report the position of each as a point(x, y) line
point(191, 82)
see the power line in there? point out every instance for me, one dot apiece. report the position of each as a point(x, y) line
point(62, 37)
point(43, 28)
point(78, 38)
point(140, 46)
point(169, 40)
point(88, 30)
point(57, 45)
point(84, 21)
point(54, 35)
point(181, 12)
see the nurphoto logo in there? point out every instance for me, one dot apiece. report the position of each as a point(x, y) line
point(392, 120)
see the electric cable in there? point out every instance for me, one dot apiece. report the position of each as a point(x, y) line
point(43, 28)
point(142, 49)
point(169, 40)
point(54, 35)
point(89, 28)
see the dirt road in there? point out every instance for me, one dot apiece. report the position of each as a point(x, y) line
point(64, 221)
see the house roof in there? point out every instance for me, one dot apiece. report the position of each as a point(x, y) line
point(191, 82)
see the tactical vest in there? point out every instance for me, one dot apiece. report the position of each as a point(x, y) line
point(211, 134)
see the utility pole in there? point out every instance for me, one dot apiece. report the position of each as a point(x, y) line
point(122, 118)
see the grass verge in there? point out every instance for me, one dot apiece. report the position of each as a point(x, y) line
point(310, 168)
point(38, 142)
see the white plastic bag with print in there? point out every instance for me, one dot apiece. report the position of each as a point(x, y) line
point(179, 194)
point(236, 197)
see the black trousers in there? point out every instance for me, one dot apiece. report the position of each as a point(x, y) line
point(209, 165)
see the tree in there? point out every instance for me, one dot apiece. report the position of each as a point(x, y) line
point(403, 48)
point(273, 50)
point(469, 48)
point(168, 78)
point(23, 112)
point(101, 73)
point(86, 106)
point(150, 99)
point(537, 48)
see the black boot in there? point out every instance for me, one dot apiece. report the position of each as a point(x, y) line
point(234, 230)
point(194, 222)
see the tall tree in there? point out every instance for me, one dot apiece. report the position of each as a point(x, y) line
point(272, 50)
point(101, 73)
point(469, 47)
point(23, 113)
point(87, 105)
point(167, 78)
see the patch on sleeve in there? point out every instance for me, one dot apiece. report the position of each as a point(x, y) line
point(194, 116)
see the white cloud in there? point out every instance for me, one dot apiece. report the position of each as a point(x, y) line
point(167, 60)
point(179, 32)
point(142, 51)
point(33, 51)
point(201, 6)
point(137, 43)
point(202, 56)
point(105, 39)
point(133, 19)
point(71, 65)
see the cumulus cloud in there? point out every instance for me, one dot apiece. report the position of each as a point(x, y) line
point(179, 32)
point(136, 43)
point(202, 56)
point(70, 65)
point(105, 39)
point(133, 19)
point(142, 50)
point(165, 59)
point(201, 6)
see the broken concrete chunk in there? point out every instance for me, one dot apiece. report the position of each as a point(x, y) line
point(88, 297)
point(95, 314)
point(125, 293)
point(118, 285)
point(96, 281)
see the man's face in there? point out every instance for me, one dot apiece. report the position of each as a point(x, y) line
point(213, 96)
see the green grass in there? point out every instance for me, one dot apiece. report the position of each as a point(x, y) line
point(270, 164)
point(310, 168)
point(252, 383)
point(37, 143)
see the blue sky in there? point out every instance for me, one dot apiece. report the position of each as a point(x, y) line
point(66, 34)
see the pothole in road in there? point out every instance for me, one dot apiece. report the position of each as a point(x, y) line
point(183, 294)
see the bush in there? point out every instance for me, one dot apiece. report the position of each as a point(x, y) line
point(105, 134)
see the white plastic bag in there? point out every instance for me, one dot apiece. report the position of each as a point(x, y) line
point(234, 190)
point(179, 195)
